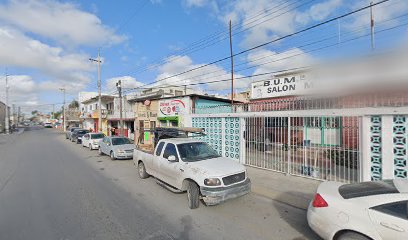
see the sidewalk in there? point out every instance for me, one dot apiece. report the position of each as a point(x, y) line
point(294, 191)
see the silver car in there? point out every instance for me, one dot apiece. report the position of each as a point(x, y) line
point(116, 147)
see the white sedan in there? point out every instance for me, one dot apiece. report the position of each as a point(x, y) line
point(91, 140)
point(362, 211)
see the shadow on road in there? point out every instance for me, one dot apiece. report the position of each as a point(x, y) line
point(299, 222)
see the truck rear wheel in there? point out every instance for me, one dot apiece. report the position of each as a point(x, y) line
point(193, 195)
point(142, 170)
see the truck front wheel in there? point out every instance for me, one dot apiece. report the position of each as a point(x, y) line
point(142, 170)
point(193, 195)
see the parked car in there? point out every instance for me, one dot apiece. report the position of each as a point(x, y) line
point(77, 134)
point(183, 164)
point(363, 211)
point(116, 147)
point(92, 140)
point(47, 125)
point(69, 132)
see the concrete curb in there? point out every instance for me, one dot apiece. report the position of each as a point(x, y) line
point(286, 198)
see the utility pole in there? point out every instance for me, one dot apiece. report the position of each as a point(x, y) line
point(372, 26)
point(7, 120)
point(14, 114)
point(232, 64)
point(63, 107)
point(18, 115)
point(98, 60)
point(53, 111)
point(119, 86)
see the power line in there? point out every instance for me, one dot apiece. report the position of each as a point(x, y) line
point(272, 41)
point(285, 70)
point(218, 37)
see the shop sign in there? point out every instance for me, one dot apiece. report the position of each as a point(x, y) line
point(173, 107)
point(279, 87)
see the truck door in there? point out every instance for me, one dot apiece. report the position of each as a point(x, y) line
point(154, 163)
point(170, 170)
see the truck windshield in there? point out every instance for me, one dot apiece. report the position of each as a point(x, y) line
point(196, 151)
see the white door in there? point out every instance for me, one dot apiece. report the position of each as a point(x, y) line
point(103, 145)
point(85, 140)
point(391, 220)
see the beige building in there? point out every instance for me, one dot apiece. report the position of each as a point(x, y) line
point(145, 119)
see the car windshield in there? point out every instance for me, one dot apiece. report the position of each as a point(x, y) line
point(97, 136)
point(196, 151)
point(120, 141)
point(82, 131)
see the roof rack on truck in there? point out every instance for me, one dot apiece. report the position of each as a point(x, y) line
point(179, 132)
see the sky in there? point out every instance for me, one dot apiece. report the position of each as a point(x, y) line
point(46, 44)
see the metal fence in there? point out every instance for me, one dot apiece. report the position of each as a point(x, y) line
point(320, 147)
point(380, 100)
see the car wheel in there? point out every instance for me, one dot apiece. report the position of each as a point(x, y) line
point(77, 141)
point(142, 170)
point(90, 147)
point(100, 151)
point(112, 155)
point(352, 236)
point(193, 195)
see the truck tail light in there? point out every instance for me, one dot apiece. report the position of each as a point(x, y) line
point(319, 202)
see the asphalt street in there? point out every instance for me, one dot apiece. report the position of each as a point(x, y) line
point(51, 188)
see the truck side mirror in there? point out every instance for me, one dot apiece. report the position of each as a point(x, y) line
point(172, 158)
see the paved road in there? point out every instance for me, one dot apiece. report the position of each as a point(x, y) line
point(51, 188)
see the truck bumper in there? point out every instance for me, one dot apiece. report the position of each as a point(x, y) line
point(214, 196)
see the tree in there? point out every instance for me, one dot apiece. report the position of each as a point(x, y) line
point(73, 104)
point(34, 112)
point(57, 114)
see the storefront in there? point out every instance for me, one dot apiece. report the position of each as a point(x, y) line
point(145, 120)
point(174, 112)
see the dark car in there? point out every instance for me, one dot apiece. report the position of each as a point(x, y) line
point(77, 134)
point(68, 133)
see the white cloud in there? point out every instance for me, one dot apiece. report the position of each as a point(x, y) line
point(195, 3)
point(322, 10)
point(178, 64)
point(22, 90)
point(293, 58)
point(21, 51)
point(381, 12)
point(62, 22)
point(127, 82)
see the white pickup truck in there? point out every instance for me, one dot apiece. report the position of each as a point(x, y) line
point(185, 164)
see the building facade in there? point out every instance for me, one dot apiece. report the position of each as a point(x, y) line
point(128, 117)
point(90, 113)
point(2, 116)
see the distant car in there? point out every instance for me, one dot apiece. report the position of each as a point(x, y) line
point(48, 125)
point(77, 134)
point(69, 132)
point(91, 140)
point(117, 147)
point(363, 211)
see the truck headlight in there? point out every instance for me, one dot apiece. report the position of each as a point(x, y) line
point(212, 182)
